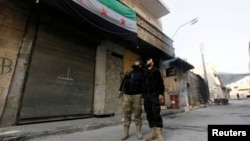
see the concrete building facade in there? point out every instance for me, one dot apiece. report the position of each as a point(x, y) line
point(54, 67)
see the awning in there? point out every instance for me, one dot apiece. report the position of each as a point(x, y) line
point(228, 78)
point(177, 62)
point(110, 16)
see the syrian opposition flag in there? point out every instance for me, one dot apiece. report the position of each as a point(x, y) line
point(110, 16)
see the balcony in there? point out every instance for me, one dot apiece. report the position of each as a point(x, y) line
point(154, 36)
point(156, 7)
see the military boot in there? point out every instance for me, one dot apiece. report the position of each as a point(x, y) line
point(125, 134)
point(152, 135)
point(138, 132)
point(159, 134)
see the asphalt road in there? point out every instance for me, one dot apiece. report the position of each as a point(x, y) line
point(187, 126)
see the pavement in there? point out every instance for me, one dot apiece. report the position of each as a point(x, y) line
point(28, 131)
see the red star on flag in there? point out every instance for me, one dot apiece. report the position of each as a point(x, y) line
point(104, 12)
point(123, 22)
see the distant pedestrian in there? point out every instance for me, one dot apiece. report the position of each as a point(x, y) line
point(153, 94)
point(131, 87)
point(238, 96)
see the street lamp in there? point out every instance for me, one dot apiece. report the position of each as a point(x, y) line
point(193, 21)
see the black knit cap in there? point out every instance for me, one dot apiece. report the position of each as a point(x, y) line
point(156, 62)
point(142, 62)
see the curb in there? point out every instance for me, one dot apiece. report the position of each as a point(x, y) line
point(19, 135)
point(25, 135)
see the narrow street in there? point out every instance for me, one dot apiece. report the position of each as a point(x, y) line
point(188, 126)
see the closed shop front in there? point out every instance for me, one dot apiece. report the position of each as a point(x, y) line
point(60, 77)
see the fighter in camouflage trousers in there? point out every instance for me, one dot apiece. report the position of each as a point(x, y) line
point(132, 104)
point(131, 86)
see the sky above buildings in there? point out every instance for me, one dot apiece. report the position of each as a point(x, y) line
point(223, 28)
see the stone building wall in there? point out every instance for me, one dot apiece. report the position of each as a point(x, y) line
point(13, 19)
point(194, 89)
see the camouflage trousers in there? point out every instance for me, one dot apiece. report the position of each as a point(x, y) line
point(132, 105)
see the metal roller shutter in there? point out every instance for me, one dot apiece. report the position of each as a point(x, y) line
point(60, 79)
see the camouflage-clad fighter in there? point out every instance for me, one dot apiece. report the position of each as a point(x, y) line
point(131, 87)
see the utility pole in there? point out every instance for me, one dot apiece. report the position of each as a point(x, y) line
point(204, 67)
point(249, 56)
point(203, 61)
point(249, 59)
